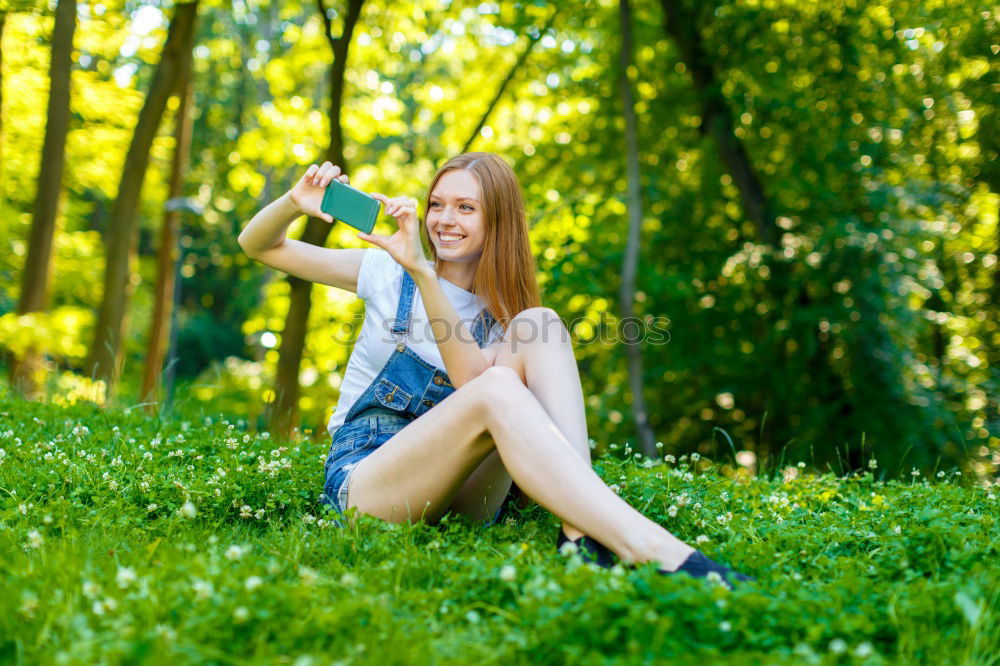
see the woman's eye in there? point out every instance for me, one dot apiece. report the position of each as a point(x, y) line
point(467, 206)
point(434, 203)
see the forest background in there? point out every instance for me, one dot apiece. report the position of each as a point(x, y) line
point(803, 194)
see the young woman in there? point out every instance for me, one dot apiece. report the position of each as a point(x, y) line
point(459, 380)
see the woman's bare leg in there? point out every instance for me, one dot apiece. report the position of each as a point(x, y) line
point(418, 472)
point(538, 347)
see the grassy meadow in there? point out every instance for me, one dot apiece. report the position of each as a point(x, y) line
point(125, 539)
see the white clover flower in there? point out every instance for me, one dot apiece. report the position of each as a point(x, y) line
point(234, 553)
point(725, 626)
point(241, 614)
point(259, 515)
point(202, 589)
point(188, 510)
point(801, 465)
point(90, 589)
point(35, 539)
point(148, 455)
point(672, 511)
point(97, 608)
point(897, 529)
point(838, 646)
point(508, 573)
point(700, 539)
point(152, 507)
point(253, 582)
point(29, 604)
point(864, 650)
point(349, 580)
point(872, 464)
point(695, 457)
point(940, 474)
point(568, 548)
point(165, 632)
point(308, 576)
point(915, 472)
point(246, 511)
point(669, 458)
point(23, 508)
point(126, 576)
point(110, 604)
point(308, 519)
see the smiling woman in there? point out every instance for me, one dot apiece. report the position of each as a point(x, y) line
point(430, 424)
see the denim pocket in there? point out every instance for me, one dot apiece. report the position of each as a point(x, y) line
point(391, 395)
point(349, 438)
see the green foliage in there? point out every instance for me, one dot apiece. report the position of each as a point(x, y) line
point(125, 538)
point(872, 126)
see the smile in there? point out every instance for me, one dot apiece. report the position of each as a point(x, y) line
point(449, 238)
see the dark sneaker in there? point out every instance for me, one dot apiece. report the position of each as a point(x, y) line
point(699, 566)
point(589, 549)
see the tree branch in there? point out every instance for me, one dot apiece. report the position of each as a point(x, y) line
point(510, 75)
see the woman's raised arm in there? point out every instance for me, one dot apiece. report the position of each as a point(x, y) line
point(263, 239)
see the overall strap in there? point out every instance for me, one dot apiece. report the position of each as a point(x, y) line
point(401, 326)
point(484, 324)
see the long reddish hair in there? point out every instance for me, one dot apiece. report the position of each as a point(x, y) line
point(505, 277)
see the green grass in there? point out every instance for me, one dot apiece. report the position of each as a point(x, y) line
point(101, 563)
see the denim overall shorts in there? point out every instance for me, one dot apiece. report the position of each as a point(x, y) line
point(406, 387)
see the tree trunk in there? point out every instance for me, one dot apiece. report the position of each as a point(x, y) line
point(630, 263)
point(283, 412)
point(106, 352)
point(716, 118)
point(26, 373)
point(167, 255)
point(3, 20)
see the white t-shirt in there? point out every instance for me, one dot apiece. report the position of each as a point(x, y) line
point(379, 281)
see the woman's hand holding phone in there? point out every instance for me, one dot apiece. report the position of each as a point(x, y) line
point(404, 246)
point(307, 194)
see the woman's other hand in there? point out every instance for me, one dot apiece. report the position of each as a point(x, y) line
point(307, 194)
point(404, 246)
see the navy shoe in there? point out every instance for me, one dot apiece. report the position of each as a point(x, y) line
point(698, 565)
point(589, 549)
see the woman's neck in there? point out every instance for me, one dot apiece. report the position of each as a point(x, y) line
point(460, 274)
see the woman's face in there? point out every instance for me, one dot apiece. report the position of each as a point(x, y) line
point(455, 221)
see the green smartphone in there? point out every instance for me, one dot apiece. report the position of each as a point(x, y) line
point(350, 205)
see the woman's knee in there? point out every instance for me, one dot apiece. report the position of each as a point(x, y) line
point(495, 386)
point(499, 378)
point(537, 325)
